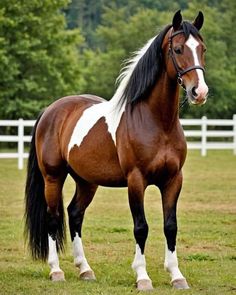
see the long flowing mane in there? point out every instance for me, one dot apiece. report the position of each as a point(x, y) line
point(142, 71)
point(146, 71)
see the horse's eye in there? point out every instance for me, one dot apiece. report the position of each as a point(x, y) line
point(178, 50)
point(204, 49)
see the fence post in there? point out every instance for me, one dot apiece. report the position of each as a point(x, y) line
point(21, 144)
point(234, 139)
point(204, 136)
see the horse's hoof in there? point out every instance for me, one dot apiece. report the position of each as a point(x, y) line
point(180, 284)
point(87, 276)
point(144, 285)
point(57, 276)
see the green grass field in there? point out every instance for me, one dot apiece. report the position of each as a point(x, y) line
point(206, 237)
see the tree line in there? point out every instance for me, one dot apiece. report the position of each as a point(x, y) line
point(49, 49)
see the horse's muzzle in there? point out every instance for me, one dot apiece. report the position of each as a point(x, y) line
point(197, 96)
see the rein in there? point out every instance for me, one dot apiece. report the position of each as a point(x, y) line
point(179, 71)
point(183, 102)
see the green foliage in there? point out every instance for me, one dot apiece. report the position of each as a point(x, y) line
point(44, 56)
point(117, 38)
point(38, 57)
point(200, 257)
point(125, 28)
point(99, 70)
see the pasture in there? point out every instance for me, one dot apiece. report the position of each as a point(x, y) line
point(206, 237)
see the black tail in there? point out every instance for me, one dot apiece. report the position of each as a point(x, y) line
point(37, 219)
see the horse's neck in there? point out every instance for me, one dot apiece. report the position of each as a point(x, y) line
point(164, 102)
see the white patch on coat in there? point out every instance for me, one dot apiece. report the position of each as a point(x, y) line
point(139, 265)
point(79, 256)
point(111, 110)
point(202, 88)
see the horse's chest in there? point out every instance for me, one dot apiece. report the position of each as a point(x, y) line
point(160, 158)
point(167, 162)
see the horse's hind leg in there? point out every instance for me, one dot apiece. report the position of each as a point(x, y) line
point(83, 196)
point(55, 216)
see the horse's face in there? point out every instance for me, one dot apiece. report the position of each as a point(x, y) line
point(185, 59)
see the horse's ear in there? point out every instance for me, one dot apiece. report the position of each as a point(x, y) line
point(198, 22)
point(177, 20)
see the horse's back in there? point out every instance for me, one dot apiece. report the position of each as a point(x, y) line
point(68, 104)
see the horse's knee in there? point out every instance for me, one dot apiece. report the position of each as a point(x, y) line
point(75, 219)
point(141, 233)
point(75, 215)
point(141, 230)
point(170, 230)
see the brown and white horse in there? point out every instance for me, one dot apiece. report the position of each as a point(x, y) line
point(133, 140)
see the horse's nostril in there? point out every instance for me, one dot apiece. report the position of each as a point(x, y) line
point(194, 93)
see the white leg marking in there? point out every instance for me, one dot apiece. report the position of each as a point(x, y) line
point(53, 260)
point(139, 265)
point(171, 264)
point(79, 257)
point(202, 88)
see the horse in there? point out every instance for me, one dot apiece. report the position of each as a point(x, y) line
point(133, 140)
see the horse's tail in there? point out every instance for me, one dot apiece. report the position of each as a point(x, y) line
point(36, 217)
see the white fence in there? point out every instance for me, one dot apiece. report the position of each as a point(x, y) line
point(199, 129)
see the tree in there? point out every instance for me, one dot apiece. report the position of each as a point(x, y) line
point(88, 14)
point(38, 56)
point(42, 57)
point(118, 37)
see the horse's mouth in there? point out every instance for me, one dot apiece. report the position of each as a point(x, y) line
point(200, 100)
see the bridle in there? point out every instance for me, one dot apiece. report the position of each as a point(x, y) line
point(179, 71)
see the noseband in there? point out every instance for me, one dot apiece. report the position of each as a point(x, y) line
point(179, 71)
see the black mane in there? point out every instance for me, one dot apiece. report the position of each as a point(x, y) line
point(149, 67)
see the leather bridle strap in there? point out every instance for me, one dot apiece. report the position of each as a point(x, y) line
point(179, 71)
point(190, 69)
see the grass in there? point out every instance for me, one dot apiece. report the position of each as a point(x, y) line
point(206, 237)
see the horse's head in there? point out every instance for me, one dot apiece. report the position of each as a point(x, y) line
point(184, 57)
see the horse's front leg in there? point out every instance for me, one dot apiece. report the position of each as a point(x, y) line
point(170, 193)
point(136, 187)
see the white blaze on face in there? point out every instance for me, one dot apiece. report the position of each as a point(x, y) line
point(202, 88)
